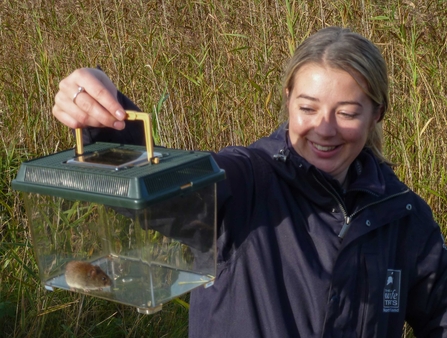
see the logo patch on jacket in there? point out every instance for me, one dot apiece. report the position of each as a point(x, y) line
point(391, 292)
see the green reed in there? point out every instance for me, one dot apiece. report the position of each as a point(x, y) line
point(210, 71)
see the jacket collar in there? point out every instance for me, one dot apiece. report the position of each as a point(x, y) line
point(366, 174)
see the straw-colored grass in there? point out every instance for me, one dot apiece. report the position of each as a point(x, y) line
point(219, 65)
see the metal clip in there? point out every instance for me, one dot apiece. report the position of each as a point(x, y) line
point(282, 155)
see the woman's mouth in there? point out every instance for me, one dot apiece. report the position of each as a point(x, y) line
point(323, 148)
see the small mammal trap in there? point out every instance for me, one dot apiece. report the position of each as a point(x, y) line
point(131, 224)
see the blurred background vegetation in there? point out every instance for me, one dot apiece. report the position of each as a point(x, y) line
point(220, 63)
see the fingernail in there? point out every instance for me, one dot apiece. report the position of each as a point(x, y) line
point(120, 114)
point(119, 125)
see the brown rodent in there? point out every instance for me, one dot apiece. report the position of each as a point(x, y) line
point(86, 276)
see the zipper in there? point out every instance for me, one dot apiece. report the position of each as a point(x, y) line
point(345, 227)
point(348, 218)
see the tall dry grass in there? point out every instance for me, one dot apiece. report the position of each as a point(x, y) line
point(220, 64)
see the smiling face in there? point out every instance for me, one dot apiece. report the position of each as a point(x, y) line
point(330, 118)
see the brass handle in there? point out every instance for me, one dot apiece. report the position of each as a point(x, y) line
point(131, 116)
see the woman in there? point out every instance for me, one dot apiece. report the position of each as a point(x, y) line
point(317, 236)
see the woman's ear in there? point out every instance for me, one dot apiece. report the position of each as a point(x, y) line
point(380, 111)
point(377, 117)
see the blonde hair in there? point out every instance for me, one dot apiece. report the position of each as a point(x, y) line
point(340, 48)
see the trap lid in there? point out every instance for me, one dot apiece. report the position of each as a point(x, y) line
point(119, 175)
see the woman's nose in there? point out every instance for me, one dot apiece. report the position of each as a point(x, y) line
point(325, 125)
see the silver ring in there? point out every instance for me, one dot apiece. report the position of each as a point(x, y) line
point(80, 90)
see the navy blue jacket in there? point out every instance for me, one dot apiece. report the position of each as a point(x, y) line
point(286, 268)
point(283, 270)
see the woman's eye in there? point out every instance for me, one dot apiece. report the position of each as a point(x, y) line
point(306, 109)
point(347, 115)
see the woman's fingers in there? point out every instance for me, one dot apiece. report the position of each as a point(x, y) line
point(94, 105)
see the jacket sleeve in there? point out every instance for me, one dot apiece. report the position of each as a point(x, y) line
point(427, 304)
point(234, 200)
point(133, 133)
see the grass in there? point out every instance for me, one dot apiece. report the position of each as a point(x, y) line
point(211, 71)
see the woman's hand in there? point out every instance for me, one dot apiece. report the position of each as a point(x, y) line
point(88, 98)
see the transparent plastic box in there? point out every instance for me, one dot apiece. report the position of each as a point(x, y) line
point(123, 223)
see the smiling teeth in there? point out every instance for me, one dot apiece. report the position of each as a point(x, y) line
point(323, 148)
